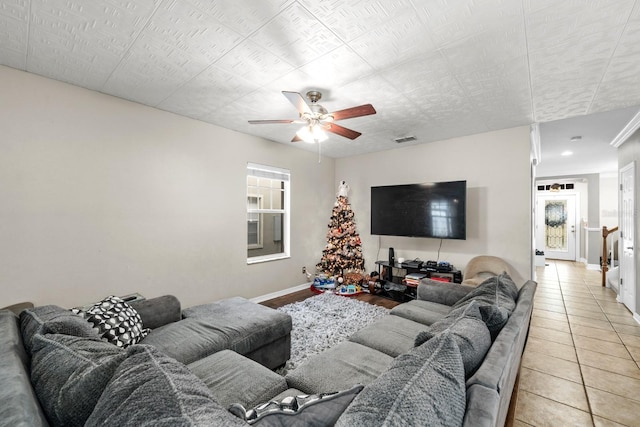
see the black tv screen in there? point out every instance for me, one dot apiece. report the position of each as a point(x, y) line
point(435, 209)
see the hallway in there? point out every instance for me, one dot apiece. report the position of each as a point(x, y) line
point(581, 365)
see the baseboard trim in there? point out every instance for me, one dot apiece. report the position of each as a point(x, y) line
point(281, 293)
point(593, 267)
point(636, 317)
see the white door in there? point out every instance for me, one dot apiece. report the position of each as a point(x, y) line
point(627, 229)
point(556, 225)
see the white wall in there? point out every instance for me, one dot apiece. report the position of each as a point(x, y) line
point(103, 196)
point(609, 200)
point(496, 166)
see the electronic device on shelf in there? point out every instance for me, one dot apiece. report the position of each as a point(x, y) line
point(444, 266)
point(411, 264)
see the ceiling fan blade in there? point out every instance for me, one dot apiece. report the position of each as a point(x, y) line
point(342, 131)
point(262, 122)
point(298, 101)
point(348, 113)
point(296, 138)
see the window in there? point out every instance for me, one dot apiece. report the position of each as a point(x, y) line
point(254, 229)
point(442, 218)
point(267, 213)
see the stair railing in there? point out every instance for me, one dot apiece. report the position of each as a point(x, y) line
point(605, 263)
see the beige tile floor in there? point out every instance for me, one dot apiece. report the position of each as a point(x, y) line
point(581, 365)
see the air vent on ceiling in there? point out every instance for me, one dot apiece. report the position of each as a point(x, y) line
point(405, 139)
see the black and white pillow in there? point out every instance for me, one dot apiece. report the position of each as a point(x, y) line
point(116, 321)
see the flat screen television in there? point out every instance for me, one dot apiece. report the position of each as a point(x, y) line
point(435, 209)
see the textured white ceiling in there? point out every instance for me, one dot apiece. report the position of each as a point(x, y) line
point(435, 69)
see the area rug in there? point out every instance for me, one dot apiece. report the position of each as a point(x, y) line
point(322, 321)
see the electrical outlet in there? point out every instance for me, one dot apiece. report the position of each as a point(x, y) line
point(304, 270)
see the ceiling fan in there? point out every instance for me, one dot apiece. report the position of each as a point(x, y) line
point(317, 119)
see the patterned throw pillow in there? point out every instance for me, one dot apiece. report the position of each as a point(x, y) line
point(116, 321)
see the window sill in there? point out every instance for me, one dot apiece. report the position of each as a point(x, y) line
point(267, 258)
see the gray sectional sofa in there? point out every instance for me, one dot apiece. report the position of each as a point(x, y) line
point(55, 369)
point(450, 357)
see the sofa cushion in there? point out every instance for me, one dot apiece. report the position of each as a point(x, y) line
point(497, 297)
point(425, 312)
point(467, 328)
point(187, 340)
point(58, 320)
point(497, 290)
point(236, 324)
point(69, 374)
point(424, 387)
point(233, 378)
point(441, 292)
point(149, 388)
point(392, 335)
point(159, 311)
point(317, 410)
point(509, 345)
point(339, 368)
point(290, 392)
point(116, 321)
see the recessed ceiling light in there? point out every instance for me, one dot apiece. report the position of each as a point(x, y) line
point(566, 153)
point(577, 138)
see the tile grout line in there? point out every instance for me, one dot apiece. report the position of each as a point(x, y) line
point(580, 364)
point(577, 360)
point(626, 347)
point(584, 385)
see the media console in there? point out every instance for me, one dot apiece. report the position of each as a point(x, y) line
point(396, 286)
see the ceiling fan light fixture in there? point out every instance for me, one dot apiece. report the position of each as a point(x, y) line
point(311, 134)
point(318, 119)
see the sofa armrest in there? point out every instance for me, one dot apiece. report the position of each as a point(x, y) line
point(159, 311)
point(441, 292)
point(19, 405)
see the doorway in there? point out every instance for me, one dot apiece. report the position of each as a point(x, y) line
point(556, 222)
point(627, 294)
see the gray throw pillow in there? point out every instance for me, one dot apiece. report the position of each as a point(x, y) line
point(497, 297)
point(469, 331)
point(424, 387)
point(51, 319)
point(495, 317)
point(316, 410)
point(69, 374)
point(150, 388)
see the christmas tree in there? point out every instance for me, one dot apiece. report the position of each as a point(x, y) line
point(343, 252)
